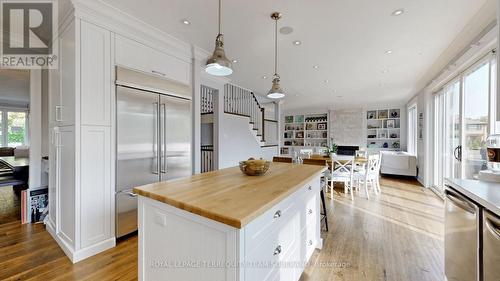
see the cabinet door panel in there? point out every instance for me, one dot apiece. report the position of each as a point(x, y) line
point(135, 55)
point(95, 185)
point(65, 166)
point(96, 81)
point(65, 112)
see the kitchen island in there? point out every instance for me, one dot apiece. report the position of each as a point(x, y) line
point(224, 225)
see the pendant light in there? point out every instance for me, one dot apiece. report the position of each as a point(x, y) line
point(276, 92)
point(218, 64)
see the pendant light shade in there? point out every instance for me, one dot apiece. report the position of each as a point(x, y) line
point(276, 91)
point(218, 64)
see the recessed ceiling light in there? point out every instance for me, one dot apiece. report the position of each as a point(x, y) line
point(388, 52)
point(326, 81)
point(235, 60)
point(186, 22)
point(398, 12)
point(297, 42)
point(384, 71)
point(316, 66)
point(264, 77)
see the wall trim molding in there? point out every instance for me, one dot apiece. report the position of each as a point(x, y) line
point(120, 22)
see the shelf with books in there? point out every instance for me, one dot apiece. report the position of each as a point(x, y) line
point(305, 130)
point(383, 129)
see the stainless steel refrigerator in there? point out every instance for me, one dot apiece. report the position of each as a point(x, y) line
point(153, 118)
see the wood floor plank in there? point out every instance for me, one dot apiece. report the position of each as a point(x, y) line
point(396, 235)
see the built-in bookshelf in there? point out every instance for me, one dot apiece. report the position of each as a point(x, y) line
point(383, 127)
point(305, 131)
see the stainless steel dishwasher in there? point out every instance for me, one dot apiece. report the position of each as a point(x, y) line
point(491, 247)
point(462, 247)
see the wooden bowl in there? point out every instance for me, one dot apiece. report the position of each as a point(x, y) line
point(254, 167)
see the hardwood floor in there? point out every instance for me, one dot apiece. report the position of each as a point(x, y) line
point(397, 235)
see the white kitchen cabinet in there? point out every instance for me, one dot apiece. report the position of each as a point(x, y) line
point(95, 179)
point(178, 245)
point(96, 78)
point(81, 203)
point(64, 101)
point(134, 55)
point(65, 174)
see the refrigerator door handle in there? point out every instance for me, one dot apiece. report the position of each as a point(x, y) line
point(459, 202)
point(164, 139)
point(156, 166)
point(493, 225)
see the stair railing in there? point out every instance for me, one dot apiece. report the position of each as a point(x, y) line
point(207, 100)
point(242, 102)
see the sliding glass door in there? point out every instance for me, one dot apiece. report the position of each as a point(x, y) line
point(462, 121)
point(476, 120)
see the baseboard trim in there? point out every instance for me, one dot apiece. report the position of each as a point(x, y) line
point(76, 256)
point(93, 250)
point(67, 249)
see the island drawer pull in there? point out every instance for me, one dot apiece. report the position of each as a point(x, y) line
point(310, 211)
point(277, 251)
point(277, 214)
point(158, 73)
point(310, 243)
point(310, 188)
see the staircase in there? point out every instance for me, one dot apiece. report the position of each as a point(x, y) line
point(242, 102)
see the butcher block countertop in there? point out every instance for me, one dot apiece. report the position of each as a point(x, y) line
point(230, 197)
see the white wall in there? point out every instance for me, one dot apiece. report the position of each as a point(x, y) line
point(207, 134)
point(45, 113)
point(35, 129)
point(347, 127)
point(237, 143)
point(15, 88)
point(424, 145)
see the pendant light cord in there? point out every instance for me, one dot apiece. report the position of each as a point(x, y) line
point(276, 48)
point(220, 12)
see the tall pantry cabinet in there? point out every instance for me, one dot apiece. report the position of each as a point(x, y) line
point(81, 205)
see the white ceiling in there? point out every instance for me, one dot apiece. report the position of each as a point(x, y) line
point(15, 86)
point(346, 38)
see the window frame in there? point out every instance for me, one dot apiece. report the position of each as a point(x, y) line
point(412, 129)
point(4, 138)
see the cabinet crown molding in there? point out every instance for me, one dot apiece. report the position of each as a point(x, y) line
point(120, 22)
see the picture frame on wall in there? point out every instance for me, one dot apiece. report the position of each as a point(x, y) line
point(391, 124)
point(421, 126)
point(299, 119)
point(288, 119)
point(321, 126)
point(382, 114)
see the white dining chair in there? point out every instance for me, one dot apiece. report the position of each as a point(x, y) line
point(343, 171)
point(306, 153)
point(369, 175)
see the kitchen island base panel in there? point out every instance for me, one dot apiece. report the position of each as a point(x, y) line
point(178, 245)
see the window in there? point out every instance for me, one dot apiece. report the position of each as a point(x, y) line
point(463, 119)
point(412, 129)
point(13, 128)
